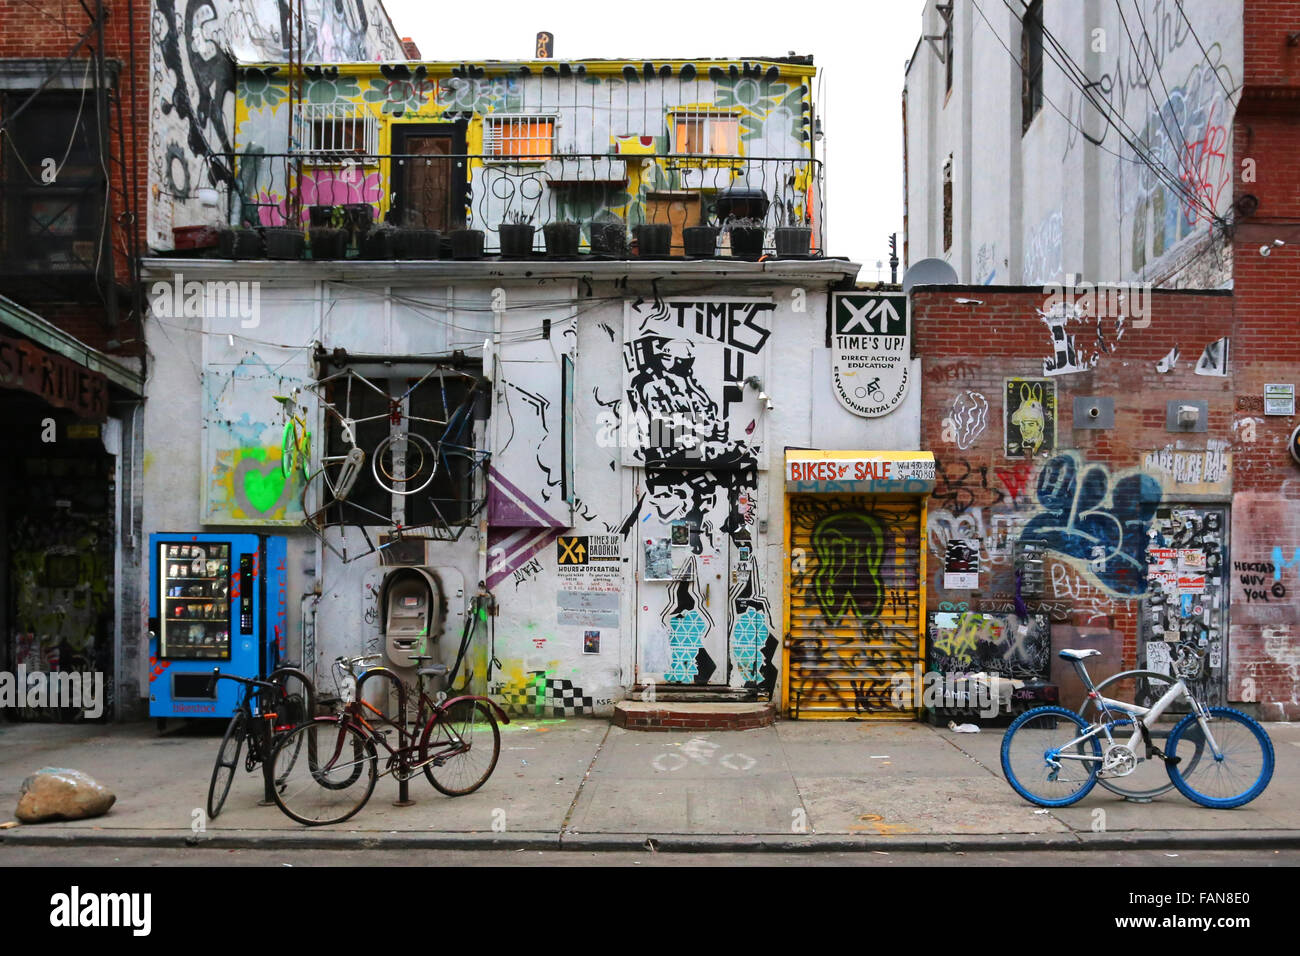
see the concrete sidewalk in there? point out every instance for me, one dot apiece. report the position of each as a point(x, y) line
point(584, 784)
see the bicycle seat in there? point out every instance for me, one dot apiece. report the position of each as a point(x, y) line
point(433, 670)
point(1070, 655)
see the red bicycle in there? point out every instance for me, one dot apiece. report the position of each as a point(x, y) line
point(455, 742)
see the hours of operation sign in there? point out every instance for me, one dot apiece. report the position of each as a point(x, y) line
point(871, 351)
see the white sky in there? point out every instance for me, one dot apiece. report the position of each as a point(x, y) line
point(859, 49)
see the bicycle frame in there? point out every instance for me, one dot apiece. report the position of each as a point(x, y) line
point(401, 758)
point(1144, 716)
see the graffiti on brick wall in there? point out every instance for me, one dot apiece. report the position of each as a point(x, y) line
point(1096, 519)
point(1004, 644)
point(1176, 466)
point(967, 420)
point(1078, 340)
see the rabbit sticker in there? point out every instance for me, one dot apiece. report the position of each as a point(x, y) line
point(1030, 417)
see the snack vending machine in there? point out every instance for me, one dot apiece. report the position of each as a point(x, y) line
point(216, 601)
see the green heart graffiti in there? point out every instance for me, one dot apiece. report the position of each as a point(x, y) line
point(261, 490)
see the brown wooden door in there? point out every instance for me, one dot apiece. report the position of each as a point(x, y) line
point(429, 175)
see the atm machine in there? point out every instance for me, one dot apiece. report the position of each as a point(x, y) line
point(414, 612)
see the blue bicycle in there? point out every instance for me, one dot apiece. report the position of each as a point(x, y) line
point(1215, 756)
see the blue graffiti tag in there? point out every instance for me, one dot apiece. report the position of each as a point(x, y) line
point(1083, 517)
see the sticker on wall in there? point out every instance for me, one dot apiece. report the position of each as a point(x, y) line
point(590, 574)
point(1029, 417)
point(961, 565)
point(871, 350)
point(658, 560)
point(591, 642)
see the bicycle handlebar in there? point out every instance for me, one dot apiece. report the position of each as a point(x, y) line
point(251, 682)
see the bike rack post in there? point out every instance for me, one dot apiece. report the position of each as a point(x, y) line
point(403, 786)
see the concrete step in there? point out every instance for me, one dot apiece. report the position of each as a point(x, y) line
point(693, 715)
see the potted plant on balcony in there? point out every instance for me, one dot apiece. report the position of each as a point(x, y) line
point(419, 243)
point(746, 237)
point(701, 241)
point(609, 238)
point(654, 240)
point(243, 243)
point(284, 242)
point(466, 243)
point(378, 242)
point(360, 216)
point(329, 241)
point(516, 235)
point(562, 238)
point(793, 235)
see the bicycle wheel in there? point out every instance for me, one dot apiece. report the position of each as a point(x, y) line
point(419, 463)
point(336, 779)
point(1238, 775)
point(463, 743)
point(1039, 762)
point(223, 772)
point(1149, 780)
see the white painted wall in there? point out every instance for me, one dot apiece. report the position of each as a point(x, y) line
point(428, 316)
point(1030, 209)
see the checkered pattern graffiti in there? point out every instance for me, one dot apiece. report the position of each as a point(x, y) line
point(537, 695)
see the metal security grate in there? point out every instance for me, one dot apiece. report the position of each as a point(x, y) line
point(855, 606)
point(519, 137)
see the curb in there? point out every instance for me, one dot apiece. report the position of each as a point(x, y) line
point(667, 843)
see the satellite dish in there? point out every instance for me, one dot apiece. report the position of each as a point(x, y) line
point(929, 272)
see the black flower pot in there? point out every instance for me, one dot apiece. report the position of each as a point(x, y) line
point(609, 239)
point(747, 241)
point(516, 240)
point(378, 244)
point(654, 240)
point(701, 241)
point(329, 243)
point(320, 216)
point(562, 239)
point(793, 242)
point(422, 244)
point(239, 244)
point(284, 243)
point(467, 244)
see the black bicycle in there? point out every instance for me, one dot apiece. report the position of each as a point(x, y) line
point(267, 712)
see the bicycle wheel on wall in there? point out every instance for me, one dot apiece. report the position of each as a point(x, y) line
point(1241, 771)
point(223, 772)
point(463, 743)
point(1039, 761)
point(334, 782)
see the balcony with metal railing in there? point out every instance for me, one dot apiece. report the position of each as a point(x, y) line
point(610, 205)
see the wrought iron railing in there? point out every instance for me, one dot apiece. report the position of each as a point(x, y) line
point(782, 196)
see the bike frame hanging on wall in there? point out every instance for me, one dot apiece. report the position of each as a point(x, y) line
point(397, 451)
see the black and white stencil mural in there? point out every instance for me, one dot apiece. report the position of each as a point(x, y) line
point(691, 418)
point(195, 44)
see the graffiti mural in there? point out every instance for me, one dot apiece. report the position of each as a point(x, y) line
point(688, 620)
point(854, 603)
point(968, 419)
point(195, 44)
point(753, 641)
point(1099, 520)
point(1004, 644)
point(243, 478)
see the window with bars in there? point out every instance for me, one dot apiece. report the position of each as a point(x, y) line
point(341, 130)
point(706, 134)
point(1031, 63)
point(519, 137)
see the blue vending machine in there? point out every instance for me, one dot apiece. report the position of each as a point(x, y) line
point(216, 601)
